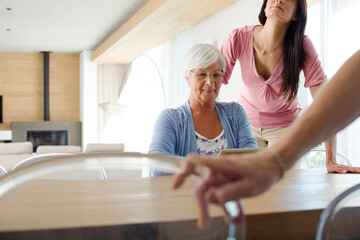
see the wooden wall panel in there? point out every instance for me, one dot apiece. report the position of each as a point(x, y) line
point(21, 85)
point(64, 87)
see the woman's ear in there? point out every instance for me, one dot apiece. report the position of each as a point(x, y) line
point(187, 80)
point(295, 18)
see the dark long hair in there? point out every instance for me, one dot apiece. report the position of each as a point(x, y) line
point(294, 52)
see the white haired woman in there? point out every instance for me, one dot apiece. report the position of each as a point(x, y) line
point(202, 125)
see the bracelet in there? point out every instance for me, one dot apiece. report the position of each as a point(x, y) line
point(279, 161)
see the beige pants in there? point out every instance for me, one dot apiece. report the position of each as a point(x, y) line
point(266, 137)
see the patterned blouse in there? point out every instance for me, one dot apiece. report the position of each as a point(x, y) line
point(210, 147)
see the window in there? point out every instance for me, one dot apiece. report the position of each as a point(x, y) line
point(155, 82)
point(141, 101)
point(332, 28)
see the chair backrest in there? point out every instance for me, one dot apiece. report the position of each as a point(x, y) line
point(16, 148)
point(316, 158)
point(71, 175)
point(43, 149)
point(105, 147)
point(38, 158)
point(138, 208)
point(341, 219)
point(3, 171)
point(9, 161)
point(13, 153)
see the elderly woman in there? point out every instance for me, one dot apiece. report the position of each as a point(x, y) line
point(202, 125)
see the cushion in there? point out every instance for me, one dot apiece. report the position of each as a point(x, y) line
point(58, 149)
point(16, 148)
point(105, 147)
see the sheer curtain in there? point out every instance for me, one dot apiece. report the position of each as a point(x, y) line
point(131, 100)
point(110, 84)
point(178, 90)
point(131, 117)
point(332, 26)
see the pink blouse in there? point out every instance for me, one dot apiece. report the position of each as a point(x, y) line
point(260, 97)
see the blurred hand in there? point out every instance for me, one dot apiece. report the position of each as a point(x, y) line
point(229, 177)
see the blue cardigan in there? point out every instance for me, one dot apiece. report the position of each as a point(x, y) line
point(174, 131)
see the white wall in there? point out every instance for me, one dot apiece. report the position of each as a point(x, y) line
point(216, 29)
point(88, 99)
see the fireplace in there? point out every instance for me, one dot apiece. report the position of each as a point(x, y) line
point(47, 133)
point(39, 138)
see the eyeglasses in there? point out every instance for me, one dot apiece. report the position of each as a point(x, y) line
point(218, 75)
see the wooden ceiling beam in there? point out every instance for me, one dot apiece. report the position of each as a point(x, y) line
point(155, 23)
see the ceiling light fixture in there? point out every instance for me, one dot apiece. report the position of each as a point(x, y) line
point(8, 9)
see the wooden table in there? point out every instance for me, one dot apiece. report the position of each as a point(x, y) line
point(292, 207)
point(289, 210)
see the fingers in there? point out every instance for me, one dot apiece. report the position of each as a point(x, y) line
point(233, 191)
point(354, 169)
point(203, 215)
point(188, 168)
point(204, 190)
point(230, 180)
point(230, 169)
point(339, 168)
point(227, 218)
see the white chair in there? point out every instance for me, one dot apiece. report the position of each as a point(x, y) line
point(38, 158)
point(3, 171)
point(105, 147)
point(43, 149)
point(316, 157)
point(97, 174)
point(113, 148)
point(13, 153)
point(341, 219)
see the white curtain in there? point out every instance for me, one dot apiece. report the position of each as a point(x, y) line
point(154, 82)
point(178, 90)
point(111, 81)
point(332, 26)
point(136, 106)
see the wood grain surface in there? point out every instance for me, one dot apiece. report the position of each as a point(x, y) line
point(289, 210)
